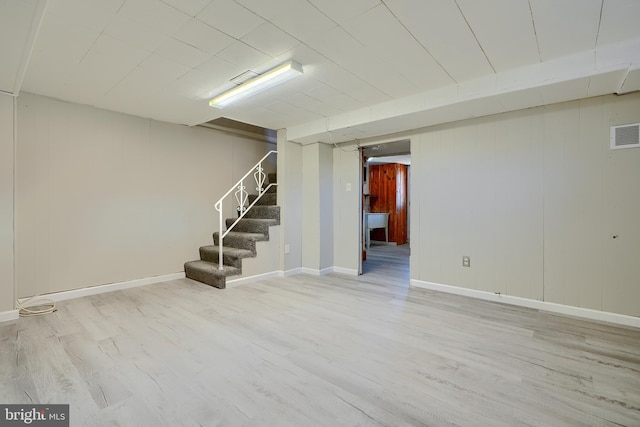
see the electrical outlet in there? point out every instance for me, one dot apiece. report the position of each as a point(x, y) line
point(466, 261)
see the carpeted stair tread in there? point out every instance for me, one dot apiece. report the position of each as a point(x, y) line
point(252, 225)
point(258, 237)
point(231, 256)
point(236, 252)
point(264, 211)
point(209, 273)
point(266, 199)
point(240, 240)
point(239, 243)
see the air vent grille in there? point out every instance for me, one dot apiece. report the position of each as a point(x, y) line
point(625, 136)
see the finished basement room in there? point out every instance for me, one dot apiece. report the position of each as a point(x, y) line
point(319, 213)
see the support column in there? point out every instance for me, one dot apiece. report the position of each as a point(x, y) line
point(7, 185)
point(317, 201)
point(290, 202)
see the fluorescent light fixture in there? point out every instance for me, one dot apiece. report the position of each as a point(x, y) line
point(271, 78)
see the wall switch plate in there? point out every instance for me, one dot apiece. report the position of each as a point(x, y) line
point(466, 261)
point(287, 248)
point(348, 186)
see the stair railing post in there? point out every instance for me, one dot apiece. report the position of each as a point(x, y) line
point(260, 178)
point(220, 258)
point(241, 196)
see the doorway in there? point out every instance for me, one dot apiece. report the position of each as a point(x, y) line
point(386, 210)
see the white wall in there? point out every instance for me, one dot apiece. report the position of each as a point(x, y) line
point(317, 202)
point(534, 197)
point(347, 193)
point(290, 191)
point(7, 296)
point(104, 197)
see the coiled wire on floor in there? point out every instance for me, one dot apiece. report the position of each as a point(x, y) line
point(35, 306)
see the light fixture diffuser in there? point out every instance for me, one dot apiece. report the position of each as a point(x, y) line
point(253, 86)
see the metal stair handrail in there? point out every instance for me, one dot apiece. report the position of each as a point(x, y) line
point(242, 196)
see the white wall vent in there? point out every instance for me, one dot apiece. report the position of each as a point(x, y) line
point(625, 136)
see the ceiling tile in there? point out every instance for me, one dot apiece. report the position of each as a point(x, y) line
point(98, 73)
point(272, 119)
point(261, 116)
point(230, 18)
point(118, 51)
point(192, 84)
point(219, 72)
point(340, 10)
point(155, 15)
point(64, 39)
point(163, 68)
point(557, 35)
point(200, 35)
point(130, 32)
point(288, 110)
point(396, 46)
point(351, 55)
point(268, 9)
point(309, 58)
point(303, 21)
point(346, 82)
point(269, 39)
point(160, 105)
point(89, 13)
point(219, 68)
point(245, 56)
point(111, 6)
point(134, 86)
point(619, 21)
point(141, 83)
point(330, 96)
point(47, 77)
point(182, 53)
point(190, 7)
point(361, 65)
point(441, 29)
point(504, 30)
point(305, 102)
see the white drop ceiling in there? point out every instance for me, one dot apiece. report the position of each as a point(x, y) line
point(371, 67)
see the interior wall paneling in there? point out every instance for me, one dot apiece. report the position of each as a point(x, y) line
point(388, 194)
point(7, 296)
point(544, 207)
point(104, 197)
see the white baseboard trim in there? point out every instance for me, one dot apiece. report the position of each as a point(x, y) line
point(262, 276)
point(100, 289)
point(5, 316)
point(315, 272)
point(585, 313)
point(342, 270)
point(292, 272)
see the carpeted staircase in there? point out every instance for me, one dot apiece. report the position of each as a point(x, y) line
point(238, 244)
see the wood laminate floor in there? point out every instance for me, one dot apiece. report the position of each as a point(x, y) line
point(388, 262)
point(318, 351)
